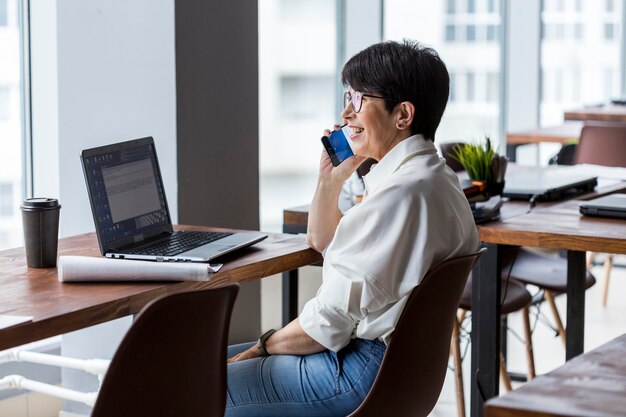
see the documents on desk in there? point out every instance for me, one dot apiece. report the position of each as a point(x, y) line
point(91, 269)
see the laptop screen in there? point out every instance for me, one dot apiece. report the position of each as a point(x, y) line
point(126, 191)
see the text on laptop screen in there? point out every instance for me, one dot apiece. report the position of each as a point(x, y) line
point(127, 194)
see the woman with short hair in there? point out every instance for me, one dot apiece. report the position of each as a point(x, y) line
point(413, 216)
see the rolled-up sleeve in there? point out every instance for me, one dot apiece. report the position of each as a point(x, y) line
point(342, 301)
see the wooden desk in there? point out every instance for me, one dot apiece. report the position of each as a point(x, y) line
point(557, 226)
point(59, 308)
point(592, 384)
point(606, 113)
point(568, 132)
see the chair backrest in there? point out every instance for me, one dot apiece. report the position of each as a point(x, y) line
point(447, 152)
point(413, 369)
point(172, 361)
point(602, 145)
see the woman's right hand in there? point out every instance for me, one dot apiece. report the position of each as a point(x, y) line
point(339, 173)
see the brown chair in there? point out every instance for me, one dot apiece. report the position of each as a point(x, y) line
point(599, 144)
point(447, 152)
point(413, 369)
point(602, 145)
point(172, 361)
point(515, 298)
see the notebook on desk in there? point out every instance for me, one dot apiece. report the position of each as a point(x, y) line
point(130, 210)
point(613, 205)
point(548, 183)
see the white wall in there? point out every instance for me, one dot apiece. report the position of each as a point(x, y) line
point(103, 72)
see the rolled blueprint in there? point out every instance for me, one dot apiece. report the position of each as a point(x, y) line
point(85, 269)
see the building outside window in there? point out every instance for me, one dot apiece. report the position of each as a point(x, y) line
point(471, 52)
point(10, 126)
point(297, 78)
point(580, 55)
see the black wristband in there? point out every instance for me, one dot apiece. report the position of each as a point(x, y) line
point(262, 341)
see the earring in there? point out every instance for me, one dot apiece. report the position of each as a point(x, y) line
point(400, 125)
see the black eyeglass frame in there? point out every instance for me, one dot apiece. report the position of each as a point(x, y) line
point(347, 98)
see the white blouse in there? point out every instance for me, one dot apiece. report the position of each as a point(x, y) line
point(414, 216)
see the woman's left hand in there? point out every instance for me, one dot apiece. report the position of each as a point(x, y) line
point(252, 352)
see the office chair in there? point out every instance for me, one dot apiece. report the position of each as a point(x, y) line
point(412, 372)
point(172, 361)
point(447, 152)
point(602, 144)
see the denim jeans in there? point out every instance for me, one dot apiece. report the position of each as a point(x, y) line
point(322, 384)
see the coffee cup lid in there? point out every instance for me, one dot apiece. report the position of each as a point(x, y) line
point(38, 203)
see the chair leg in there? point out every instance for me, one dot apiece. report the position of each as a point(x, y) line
point(608, 266)
point(530, 357)
point(555, 313)
point(590, 256)
point(504, 375)
point(458, 371)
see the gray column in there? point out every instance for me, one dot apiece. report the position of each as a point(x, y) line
point(218, 128)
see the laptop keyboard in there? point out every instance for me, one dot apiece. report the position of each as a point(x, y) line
point(178, 242)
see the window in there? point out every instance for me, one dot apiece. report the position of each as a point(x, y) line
point(297, 99)
point(301, 96)
point(10, 125)
point(6, 200)
point(470, 33)
point(609, 31)
point(468, 41)
point(4, 13)
point(450, 33)
point(470, 80)
point(575, 62)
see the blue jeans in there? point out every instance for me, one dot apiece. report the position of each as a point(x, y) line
point(322, 384)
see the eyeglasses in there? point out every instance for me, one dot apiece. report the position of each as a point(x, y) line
point(356, 99)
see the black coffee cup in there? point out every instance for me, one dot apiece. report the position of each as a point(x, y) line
point(40, 217)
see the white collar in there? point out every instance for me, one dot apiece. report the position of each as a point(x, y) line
point(395, 158)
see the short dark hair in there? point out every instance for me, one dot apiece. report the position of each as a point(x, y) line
point(404, 71)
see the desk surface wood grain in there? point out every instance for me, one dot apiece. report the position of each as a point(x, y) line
point(58, 308)
point(592, 384)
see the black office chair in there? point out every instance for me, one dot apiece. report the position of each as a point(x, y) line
point(172, 361)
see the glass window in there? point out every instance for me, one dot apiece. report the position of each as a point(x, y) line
point(297, 100)
point(470, 33)
point(451, 6)
point(473, 110)
point(4, 13)
point(450, 33)
point(609, 31)
point(610, 6)
point(578, 31)
point(573, 73)
point(471, 6)
point(469, 85)
point(10, 125)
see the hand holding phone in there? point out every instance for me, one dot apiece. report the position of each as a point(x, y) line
point(337, 145)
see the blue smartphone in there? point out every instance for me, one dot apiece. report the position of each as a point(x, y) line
point(337, 145)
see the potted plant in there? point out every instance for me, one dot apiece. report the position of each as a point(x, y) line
point(483, 164)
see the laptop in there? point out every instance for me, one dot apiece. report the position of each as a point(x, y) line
point(613, 205)
point(130, 209)
point(548, 183)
